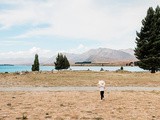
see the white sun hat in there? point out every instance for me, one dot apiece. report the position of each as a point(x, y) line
point(101, 83)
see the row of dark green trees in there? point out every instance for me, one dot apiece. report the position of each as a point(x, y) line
point(61, 62)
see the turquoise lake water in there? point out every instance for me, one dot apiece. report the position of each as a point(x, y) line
point(19, 68)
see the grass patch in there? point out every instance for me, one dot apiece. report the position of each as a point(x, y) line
point(80, 78)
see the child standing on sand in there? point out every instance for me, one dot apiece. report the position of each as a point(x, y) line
point(101, 84)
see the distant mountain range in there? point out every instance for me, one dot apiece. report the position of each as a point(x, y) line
point(99, 55)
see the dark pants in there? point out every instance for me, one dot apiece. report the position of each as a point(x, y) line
point(102, 94)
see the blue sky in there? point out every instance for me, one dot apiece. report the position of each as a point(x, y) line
point(47, 27)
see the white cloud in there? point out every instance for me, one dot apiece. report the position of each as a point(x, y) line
point(41, 52)
point(29, 11)
point(80, 49)
point(27, 54)
point(8, 43)
point(78, 19)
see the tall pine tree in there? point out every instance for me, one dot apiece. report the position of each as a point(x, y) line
point(148, 41)
point(66, 62)
point(61, 62)
point(35, 66)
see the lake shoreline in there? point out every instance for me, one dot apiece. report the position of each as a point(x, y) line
point(21, 68)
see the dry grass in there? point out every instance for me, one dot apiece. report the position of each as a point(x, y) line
point(79, 106)
point(80, 78)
